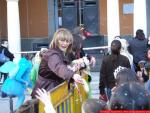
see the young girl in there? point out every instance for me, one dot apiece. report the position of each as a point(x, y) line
point(53, 69)
point(147, 67)
point(36, 63)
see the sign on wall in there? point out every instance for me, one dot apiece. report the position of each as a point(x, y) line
point(128, 8)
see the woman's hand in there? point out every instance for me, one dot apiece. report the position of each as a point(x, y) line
point(77, 78)
point(92, 61)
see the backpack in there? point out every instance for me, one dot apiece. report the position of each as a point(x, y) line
point(3, 58)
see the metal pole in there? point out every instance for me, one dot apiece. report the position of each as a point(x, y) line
point(80, 12)
point(11, 104)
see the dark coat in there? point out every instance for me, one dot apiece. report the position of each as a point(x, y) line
point(6, 53)
point(53, 70)
point(108, 67)
point(138, 48)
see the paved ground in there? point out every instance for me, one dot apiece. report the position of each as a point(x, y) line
point(95, 85)
point(4, 102)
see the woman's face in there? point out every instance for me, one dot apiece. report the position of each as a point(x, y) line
point(63, 45)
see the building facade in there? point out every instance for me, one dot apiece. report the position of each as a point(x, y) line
point(29, 24)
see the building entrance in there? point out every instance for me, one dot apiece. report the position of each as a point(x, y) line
point(73, 13)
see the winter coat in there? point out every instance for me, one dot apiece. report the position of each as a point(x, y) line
point(53, 70)
point(138, 48)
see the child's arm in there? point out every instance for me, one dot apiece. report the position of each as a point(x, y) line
point(45, 98)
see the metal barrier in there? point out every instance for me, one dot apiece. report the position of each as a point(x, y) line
point(67, 100)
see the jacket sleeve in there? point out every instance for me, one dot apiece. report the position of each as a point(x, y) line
point(9, 54)
point(102, 78)
point(56, 65)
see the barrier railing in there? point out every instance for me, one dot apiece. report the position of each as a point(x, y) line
point(87, 48)
point(67, 100)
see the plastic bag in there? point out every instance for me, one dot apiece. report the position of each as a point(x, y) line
point(3, 57)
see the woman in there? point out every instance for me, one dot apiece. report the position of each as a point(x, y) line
point(53, 69)
point(109, 64)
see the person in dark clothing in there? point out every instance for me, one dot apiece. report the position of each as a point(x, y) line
point(4, 46)
point(108, 66)
point(77, 50)
point(138, 48)
point(142, 73)
point(7, 53)
point(80, 34)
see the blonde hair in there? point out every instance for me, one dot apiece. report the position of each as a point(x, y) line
point(62, 34)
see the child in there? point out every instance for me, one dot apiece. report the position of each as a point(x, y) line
point(142, 73)
point(130, 96)
point(36, 63)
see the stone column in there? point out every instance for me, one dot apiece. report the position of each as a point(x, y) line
point(140, 19)
point(113, 24)
point(13, 25)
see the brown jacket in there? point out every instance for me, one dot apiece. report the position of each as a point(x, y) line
point(53, 70)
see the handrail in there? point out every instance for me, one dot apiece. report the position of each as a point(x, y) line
point(26, 52)
point(93, 48)
point(87, 48)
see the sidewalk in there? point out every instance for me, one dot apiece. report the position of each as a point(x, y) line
point(95, 84)
point(4, 102)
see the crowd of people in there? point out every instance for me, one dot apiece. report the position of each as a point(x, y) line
point(124, 74)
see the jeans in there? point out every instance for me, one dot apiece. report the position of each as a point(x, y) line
point(108, 92)
point(147, 84)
